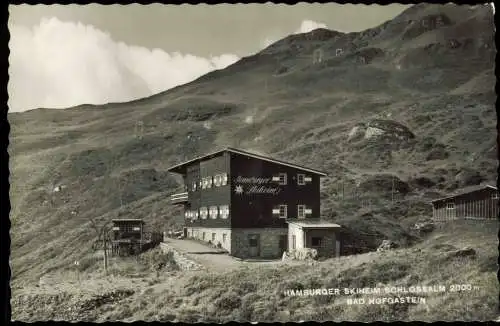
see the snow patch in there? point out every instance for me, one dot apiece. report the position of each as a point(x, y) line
point(207, 125)
point(373, 131)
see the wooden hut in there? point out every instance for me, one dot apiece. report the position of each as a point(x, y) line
point(130, 237)
point(476, 202)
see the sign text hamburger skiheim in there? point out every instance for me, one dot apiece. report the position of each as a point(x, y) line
point(255, 185)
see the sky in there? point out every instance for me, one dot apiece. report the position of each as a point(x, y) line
point(67, 55)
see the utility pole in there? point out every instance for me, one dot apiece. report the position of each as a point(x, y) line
point(392, 191)
point(77, 264)
point(102, 232)
point(105, 253)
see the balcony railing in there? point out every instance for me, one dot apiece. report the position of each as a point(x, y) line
point(179, 198)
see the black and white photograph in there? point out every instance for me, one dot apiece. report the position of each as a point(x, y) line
point(253, 162)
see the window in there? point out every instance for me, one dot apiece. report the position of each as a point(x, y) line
point(196, 214)
point(224, 237)
point(283, 211)
point(186, 214)
point(203, 212)
point(213, 212)
point(315, 242)
point(450, 205)
point(205, 183)
point(213, 237)
point(224, 211)
point(195, 183)
point(223, 179)
point(253, 240)
point(282, 180)
point(301, 211)
point(209, 182)
point(300, 179)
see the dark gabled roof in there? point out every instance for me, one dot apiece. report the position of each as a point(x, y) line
point(179, 168)
point(466, 190)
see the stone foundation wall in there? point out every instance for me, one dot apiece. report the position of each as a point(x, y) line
point(182, 261)
point(268, 245)
point(197, 233)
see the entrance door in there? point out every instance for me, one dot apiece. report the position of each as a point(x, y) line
point(253, 245)
point(283, 244)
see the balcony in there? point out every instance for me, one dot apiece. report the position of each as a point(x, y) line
point(179, 198)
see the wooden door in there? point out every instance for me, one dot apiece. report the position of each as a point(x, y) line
point(253, 245)
point(282, 243)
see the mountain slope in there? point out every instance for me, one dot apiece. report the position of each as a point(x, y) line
point(411, 99)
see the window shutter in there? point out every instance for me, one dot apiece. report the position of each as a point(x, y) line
point(307, 179)
point(308, 211)
point(276, 178)
point(116, 228)
point(276, 210)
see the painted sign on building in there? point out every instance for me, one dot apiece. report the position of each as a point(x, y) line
point(255, 185)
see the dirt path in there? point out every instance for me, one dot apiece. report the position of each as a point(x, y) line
point(211, 258)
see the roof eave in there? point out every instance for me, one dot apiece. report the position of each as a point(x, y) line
point(312, 226)
point(457, 195)
point(180, 168)
point(262, 157)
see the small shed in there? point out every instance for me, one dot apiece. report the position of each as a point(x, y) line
point(129, 236)
point(127, 229)
point(316, 234)
point(476, 202)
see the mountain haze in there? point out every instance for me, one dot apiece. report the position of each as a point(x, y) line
point(403, 113)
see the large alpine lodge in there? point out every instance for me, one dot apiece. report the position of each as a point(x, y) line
point(254, 206)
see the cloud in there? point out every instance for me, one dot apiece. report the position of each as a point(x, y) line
point(61, 64)
point(308, 25)
point(305, 27)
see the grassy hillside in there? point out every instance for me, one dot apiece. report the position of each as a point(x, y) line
point(409, 101)
point(257, 293)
